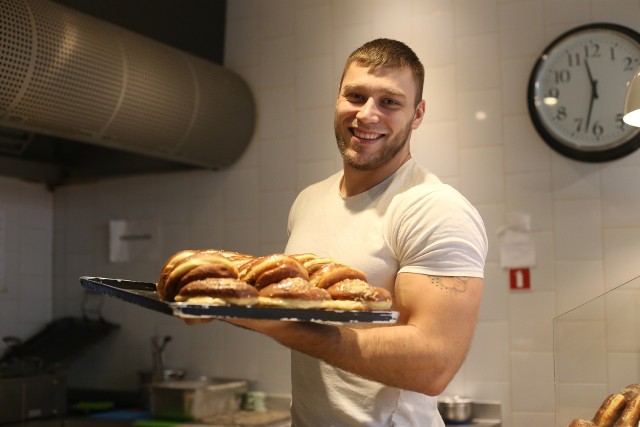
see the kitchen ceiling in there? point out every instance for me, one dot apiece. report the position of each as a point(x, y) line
point(195, 26)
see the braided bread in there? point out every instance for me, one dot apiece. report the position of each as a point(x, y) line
point(215, 277)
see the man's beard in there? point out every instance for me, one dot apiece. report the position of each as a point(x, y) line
point(391, 148)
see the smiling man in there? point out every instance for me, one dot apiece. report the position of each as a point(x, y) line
point(393, 219)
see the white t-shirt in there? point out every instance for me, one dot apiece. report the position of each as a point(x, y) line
point(411, 222)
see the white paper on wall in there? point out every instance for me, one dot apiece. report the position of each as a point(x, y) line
point(517, 249)
point(133, 241)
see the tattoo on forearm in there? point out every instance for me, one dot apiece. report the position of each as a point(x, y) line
point(450, 283)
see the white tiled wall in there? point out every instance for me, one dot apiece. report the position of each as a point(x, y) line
point(478, 54)
point(26, 256)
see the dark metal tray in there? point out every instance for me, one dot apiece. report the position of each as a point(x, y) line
point(144, 294)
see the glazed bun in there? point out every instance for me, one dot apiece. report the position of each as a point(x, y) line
point(218, 291)
point(293, 292)
point(263, 271)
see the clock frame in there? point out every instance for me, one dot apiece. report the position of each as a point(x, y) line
point(576, 92)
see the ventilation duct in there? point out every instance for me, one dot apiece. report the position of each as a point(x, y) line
point(72, 77)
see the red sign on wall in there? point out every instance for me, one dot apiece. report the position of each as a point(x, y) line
point(519, 278)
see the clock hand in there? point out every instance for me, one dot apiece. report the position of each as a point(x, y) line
point(594, 94)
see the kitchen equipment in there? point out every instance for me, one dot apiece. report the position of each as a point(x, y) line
point(33, 373)
point(196, 399)
point(127, 102)
point(455, 409)
point(32, 396)
point(144, 294)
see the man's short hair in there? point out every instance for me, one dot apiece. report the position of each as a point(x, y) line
point(387, 53)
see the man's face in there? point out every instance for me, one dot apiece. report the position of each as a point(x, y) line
point(375, 114)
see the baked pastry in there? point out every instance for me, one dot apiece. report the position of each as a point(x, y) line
point(360, 291)
point(331, 273)
point(313, 264)
point(293, 292)
point(610, 410)
point(630, 391)
point(631, 414)
point(168, 267)
point(263, 271)
point(578, 422)
point(218, 291)
point(190, 267)
point(304, 258)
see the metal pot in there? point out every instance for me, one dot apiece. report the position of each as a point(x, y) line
point(455, 409)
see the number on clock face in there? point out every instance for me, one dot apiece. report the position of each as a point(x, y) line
point(581, 89)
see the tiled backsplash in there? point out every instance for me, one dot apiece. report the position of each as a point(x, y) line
point(478, 55)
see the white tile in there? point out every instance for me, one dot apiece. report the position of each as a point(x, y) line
point(622, 251)
point(495, 295)
point(276, 18)
point(478, 65)
point(476, 16)
point(277, 157)
point(277, 63)
point(274, 208)
point(530, 193)
point(530, 320)
point(533, 419)
point(579, 400)
point(574, 180)
point(623, 12)
point(241, 236)
point(577, 282)
point(389, 19)
point(482, 174)
point(532, 382)
point(542, 274)
point(276, 110)
point(241, 43)
point(521, 28)
point(480, 118)
point(311, 37)
point(241, 207)
point(312, 172)
point(577, 224)
point(240, 9)
point(566, 11)
point(346, 40)
point(622, 326)
point(352, 12)
point(581, 353)
point(621, 199)
point(433, 39)
point(438, 92)
point(316, 137)
point(514, 78)
point(525, 151)
point(434, 145)
point(488, 358)
point(622, 369)
point(315, 86)
point(432, 6)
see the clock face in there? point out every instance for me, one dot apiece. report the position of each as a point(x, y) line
point(577, 90)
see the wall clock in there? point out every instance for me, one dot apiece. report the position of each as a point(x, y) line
point(576, 92)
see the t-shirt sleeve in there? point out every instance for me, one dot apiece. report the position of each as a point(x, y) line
point(437, 232)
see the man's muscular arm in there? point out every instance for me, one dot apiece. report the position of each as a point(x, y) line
point(421, 352)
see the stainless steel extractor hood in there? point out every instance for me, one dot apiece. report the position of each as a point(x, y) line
point(82, 98)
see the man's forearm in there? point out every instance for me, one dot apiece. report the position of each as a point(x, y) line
point(397, 356)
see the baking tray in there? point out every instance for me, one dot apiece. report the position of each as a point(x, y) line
point(144, 294)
